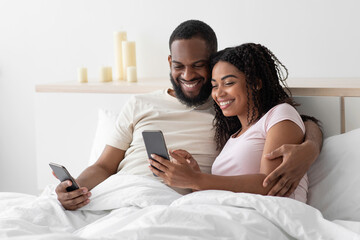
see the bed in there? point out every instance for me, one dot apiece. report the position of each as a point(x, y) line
point(135, 207)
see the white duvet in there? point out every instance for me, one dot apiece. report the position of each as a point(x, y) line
point(134, 207)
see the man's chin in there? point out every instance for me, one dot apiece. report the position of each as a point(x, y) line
point(192, 98)
point(191, 94)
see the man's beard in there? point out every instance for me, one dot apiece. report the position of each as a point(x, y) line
point(200, 99)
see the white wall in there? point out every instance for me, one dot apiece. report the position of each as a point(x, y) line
point(44, 41)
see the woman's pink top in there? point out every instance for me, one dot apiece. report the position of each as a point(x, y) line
point(242, 155)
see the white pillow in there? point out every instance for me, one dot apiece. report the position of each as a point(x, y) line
point(335, 179)
point(105, 128)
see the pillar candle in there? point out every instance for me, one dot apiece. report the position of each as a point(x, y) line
point(82, 75)
point(105, 74)
point(131, 75)
point(119, 37)
point(129, 55)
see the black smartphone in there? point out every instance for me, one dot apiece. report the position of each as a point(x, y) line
point(155, 144)
point(62, 174)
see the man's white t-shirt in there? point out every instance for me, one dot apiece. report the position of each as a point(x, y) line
point(188, 128)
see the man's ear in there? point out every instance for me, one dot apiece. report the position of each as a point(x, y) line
point(169, 60)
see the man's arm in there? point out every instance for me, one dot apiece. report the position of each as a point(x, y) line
point(103, 168)
point(297, 159)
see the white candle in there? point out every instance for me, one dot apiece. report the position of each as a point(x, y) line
point(119, 37)
point(82, 75)
point(129, 55)
point(131, 75)
point(105, 74)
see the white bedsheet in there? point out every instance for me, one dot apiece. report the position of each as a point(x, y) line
point(133, 207)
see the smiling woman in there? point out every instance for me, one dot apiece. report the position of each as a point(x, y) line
point(226, 88)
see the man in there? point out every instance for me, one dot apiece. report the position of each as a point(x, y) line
point(185, 115)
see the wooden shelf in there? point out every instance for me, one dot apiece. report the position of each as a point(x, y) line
point(346, 87)
point(142, 86)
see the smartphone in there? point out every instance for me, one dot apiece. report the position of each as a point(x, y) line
point(62, 174)
point(155, 144)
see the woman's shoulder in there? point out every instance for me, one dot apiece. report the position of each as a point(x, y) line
point(281, 112)
point(283, 109)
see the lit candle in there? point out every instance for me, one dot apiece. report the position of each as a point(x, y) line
point(119, 37)
point(129, 55)
point(82, 75)
point(105, 74)
point(131, 75)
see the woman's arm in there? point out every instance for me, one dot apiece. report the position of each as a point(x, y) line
point(180, 174)
point(297, 159)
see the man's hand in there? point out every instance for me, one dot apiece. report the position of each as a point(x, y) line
point(297, 159)
point(74, 199)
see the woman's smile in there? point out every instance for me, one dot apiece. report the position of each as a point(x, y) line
point(225, 104)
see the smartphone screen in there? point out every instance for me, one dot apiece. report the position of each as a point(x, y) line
point(62, 174)
point(155, 144)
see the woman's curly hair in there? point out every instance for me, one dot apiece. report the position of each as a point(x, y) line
point(265, 78)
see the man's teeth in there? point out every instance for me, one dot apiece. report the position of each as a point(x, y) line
point(225, 103)
point(190, 85)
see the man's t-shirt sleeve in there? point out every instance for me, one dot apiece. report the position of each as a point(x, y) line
point(124, 127)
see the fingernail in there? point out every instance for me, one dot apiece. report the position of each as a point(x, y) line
point(152, 155)
point(265, 184)
point(84, 191)
point(89, 194)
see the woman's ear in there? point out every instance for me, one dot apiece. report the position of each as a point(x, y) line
point(258, 84)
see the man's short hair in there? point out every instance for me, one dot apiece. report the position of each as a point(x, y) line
point(195, 28)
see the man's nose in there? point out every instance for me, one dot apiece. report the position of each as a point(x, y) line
point(188, 74)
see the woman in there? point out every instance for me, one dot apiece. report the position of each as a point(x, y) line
point(254, 116)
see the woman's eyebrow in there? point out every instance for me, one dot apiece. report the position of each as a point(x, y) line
point(227, 76)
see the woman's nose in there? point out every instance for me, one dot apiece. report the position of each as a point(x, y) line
point(220, 92)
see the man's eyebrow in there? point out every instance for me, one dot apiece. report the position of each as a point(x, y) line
point(199, 61)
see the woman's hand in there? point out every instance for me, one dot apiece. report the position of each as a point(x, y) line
point(189, 158)
point(182, 171)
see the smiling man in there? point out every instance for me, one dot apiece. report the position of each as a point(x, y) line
point(185, 115)
point(189, 64)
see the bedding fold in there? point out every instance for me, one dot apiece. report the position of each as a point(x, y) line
point(135, 207)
